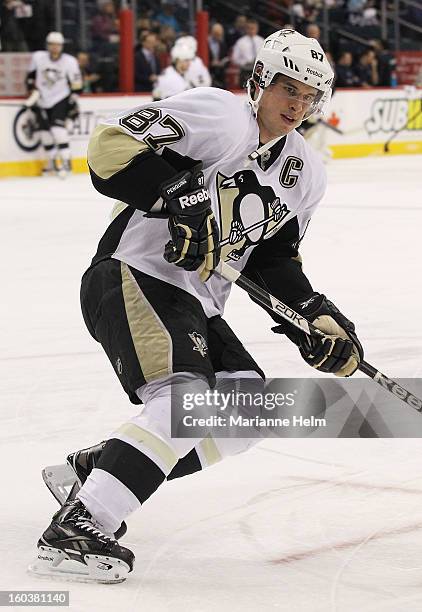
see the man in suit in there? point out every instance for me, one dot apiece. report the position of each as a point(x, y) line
point(218, 54)
point(147, 65)
point(246, 48)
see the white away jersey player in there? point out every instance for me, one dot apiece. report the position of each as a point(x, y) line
point(197, 75)
point(54, 79)
point(252, 201)
point(169, 83)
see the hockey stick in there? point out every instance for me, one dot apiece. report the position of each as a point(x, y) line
point(331, 127)
point(394, 134)
point(268, 300)
point(246, 230)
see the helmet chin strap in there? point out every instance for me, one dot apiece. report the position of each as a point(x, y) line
point(255, 105)
point(255, 154)
point(258, 152)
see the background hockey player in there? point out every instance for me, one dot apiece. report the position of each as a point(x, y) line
point(173, 78)
point(192, 173)
point(53, 82)
point(197, 74)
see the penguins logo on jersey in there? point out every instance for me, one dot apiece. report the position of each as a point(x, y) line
point(199, 343)
point(51, 76)
point(249, 213)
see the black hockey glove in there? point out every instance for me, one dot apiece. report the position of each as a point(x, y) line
point(339, 351)
point(193, 228)
point(72, 107)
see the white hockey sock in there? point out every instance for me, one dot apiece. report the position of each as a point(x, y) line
point(150, 431)
point(61, 138)
point(108, 500)
point(48, 145)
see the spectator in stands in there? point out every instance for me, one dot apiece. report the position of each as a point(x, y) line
point(245, 50)
point(11, 34)
point(167, 38)
point(147, 64)
point(355, 11)
point(36, 22)
point(298, 11)
point(90, 77)
point(218, 56)
point(345, 74)
point(167, 17)
point(237, 30)
point(386, 62)
point(311, 11)
point(313, 31)
point(143, 24)
point(367, 69)
point(105, 29)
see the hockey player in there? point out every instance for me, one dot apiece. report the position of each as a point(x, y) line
point(197, 74)
point(173, 79)
point(315, 132)
point(53, 82)
point(193, 173)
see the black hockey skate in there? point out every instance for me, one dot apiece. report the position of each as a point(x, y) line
point(74, 546)
point(63, 168)
point(84, 461)
point(59, 478)
point(48, 168)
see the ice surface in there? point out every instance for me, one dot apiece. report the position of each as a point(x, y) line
point(293, 525)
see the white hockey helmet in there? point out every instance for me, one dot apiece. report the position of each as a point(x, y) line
point(181, 52)
point(55, 38)
point(188, 41)
point(301, 58)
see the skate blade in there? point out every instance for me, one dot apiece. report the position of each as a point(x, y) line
point(53, 562)
point(59, 480)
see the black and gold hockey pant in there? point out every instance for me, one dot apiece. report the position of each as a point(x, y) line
point(155, 335)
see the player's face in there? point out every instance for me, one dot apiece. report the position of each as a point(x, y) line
point(182, 66)
point(283, 106)
point(55, 50)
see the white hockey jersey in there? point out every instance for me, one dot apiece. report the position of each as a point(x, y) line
point(218, 128)
point(197, 75)
point(54, 79)
point(169, 83)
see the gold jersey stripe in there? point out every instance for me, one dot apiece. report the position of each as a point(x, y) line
point(210, 450)
point(111, 150)
point(150, 441)
point(117, 209)
point(152, 341)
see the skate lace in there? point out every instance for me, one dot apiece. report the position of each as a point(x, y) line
point(86, 525)
point(83, 520)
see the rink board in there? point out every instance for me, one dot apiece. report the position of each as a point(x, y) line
point(366, 119)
